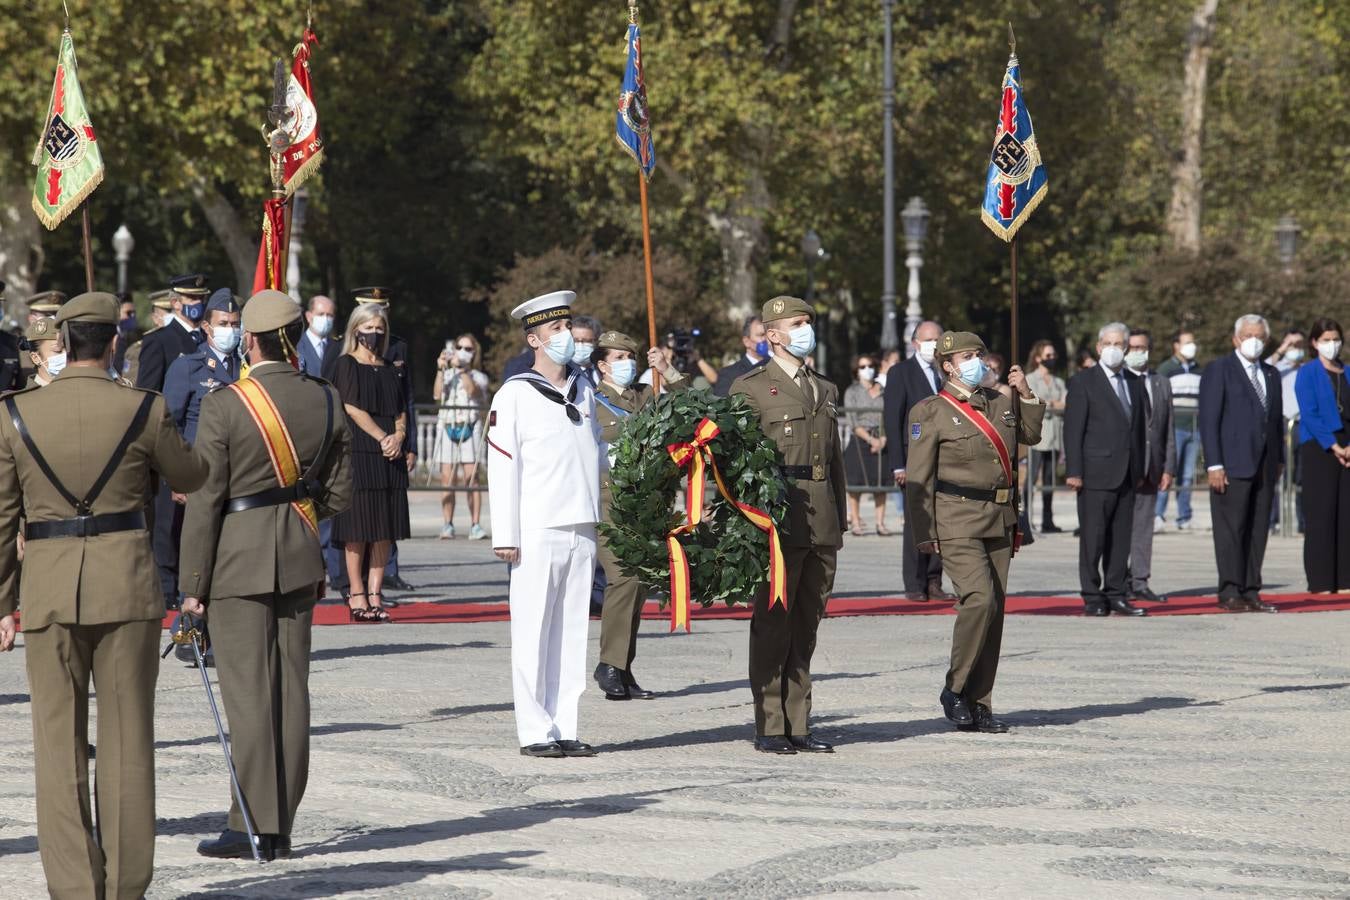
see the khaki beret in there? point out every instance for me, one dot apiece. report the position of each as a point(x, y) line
point(43, 329)
point(95, 308)
point(956, 341)
point(616, 340)
point(786, 308)
point(269, 311)
point(46, 302)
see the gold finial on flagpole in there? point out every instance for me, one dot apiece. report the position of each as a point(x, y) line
point(1012, 40)
point(632, 12)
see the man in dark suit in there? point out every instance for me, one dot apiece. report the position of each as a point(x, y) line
point(1160, 466)
point(1105, 422)
point(180, 335)
point(318, 349)
point(756, 347)
point(1241, 420)
point(907, 383)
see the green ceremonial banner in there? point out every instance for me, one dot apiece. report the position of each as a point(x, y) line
point(69, 164)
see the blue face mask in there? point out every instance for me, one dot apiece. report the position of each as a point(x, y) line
point(581, 354)
point(623, 372)
point(225, 338)
point(193, 311)
point(802, 340)
point(972, 371)
point(561, 348)
point(762, 349)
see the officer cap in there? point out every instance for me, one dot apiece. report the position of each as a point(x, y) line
point(378, 295)
point(544, 309)
point(94, 308)
point(786, 308)
point(955, 341)
point(223, 300)
point(162, 300)
point(46, 302)
point(43, 329)
point(616, 340)
point(191, 286)
point(269, 311)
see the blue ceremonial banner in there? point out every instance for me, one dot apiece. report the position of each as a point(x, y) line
point(632, 125)
point(1016, 182)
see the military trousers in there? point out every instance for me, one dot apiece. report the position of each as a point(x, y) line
point(167, 531)
point(116, 857)
point(262, 661)
point(978, 568)
point(621, 614)
point(783, 641)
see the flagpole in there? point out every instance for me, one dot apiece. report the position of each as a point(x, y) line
point(647, 242)
point(88, 251)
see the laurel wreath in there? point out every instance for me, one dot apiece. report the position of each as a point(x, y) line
point(728, 556)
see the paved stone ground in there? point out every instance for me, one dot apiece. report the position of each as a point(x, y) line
point(1168, 757)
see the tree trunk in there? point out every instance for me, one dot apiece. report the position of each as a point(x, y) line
point(1183, 213)
point(21, 253)
point(741, 237)
point(234, 235)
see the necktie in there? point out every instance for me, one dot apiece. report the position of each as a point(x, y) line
point(227, 362)
point(807, 388)
point(1259, 383)
point(1123, 392)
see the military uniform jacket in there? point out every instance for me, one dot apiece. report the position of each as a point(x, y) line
point(612, 406)
point(271, 548)
point(945, 445)
point(159, 349)
point(190, 378)
point(807, 435)
point(77, 422)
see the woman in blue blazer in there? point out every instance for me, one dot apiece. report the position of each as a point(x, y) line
point(1323, 392)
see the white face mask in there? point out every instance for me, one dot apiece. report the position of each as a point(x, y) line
point(321, 325)
point(1293, 354)
point(55, 363)
point(1188, 350)
point(867, 375)
point(926, 350)
point(623, 372)
point(1136, 359)
point(1112, 357)
point(1251, 348)
point(560, 347)
point(464, 357)
point(581, 353)
point(225, 338)
point(1329, 350)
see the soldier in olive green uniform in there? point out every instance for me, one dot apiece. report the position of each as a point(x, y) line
point(42, 343)
point(250, 550)
point(961, 501)
point(615, 358)
point(75, 457)
point(798, 412)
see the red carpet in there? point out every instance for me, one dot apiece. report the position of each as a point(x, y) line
point(435, 613)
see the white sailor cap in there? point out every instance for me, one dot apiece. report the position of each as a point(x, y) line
point(545, 309)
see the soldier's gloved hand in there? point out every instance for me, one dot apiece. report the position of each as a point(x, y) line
point(7, 630)
point(193, 606)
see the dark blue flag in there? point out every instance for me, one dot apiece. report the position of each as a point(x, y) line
point(632, 125)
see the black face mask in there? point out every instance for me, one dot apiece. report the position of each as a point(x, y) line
point(371, 340)
point(1050, 362)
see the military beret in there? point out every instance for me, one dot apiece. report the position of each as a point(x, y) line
point(162, 300)
point(269, 311)
point(43, 329)
point(956, 341)
point(93, 308)
point(190, 285)
point(617, 340)
point(223, 300)
point(786, 308)
point(544, 309)
point(378, 295)
point(46, 302)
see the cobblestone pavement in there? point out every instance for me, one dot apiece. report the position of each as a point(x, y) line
point(1165, 757)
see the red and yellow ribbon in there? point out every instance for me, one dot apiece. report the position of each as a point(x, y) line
point(695, 455)
point(277, 440)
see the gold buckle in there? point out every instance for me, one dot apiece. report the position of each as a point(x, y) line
point(1001, 495)
point(817, 472)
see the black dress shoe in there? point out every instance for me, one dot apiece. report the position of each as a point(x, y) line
point(1147, 595)
point(282, 844)
point(576, 748)
point(1052, 528)
point(545, 750)
point(610, 679)
point(775, 743)
point(1233, 604)
point(1095, 610)
point(935, 592)
point(955, 708)
point(397, 583)
point(1125, 608)
point(635, 690)
point(235, 845)
point(810, 744)
point(1256, 604)
point(985, 723)
point(916, 596)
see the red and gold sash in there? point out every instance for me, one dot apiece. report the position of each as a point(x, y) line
point(277, 440)
point(696, 454)
point(988, 430)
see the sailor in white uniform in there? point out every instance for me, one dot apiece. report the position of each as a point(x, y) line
point(544, 485)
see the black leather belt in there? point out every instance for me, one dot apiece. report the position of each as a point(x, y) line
point(277, 496)
point(1001, 495)
point(85, 526)
point(810, 473)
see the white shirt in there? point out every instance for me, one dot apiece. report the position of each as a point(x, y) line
point(932, 374)
point(543, 471)
point(1246, 371)
point(317, 342)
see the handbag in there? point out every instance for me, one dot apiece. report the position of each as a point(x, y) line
point(459, 433)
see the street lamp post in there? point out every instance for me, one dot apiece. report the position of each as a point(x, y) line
point(813, 253)
point(123, 243)
point(915, 218)
point(889, 339)
point(1287, 231)
point(298, 214)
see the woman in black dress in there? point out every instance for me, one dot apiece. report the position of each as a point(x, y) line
point(372, 395)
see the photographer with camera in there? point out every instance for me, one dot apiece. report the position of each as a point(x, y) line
point(681, 352)
point(461, 391)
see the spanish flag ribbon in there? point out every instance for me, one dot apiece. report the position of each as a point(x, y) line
point(696, 455)
point(277, 440)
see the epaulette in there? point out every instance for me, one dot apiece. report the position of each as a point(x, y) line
point(754, 373)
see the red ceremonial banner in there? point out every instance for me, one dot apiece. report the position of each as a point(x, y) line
point(268, 274)
point(305, 152)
